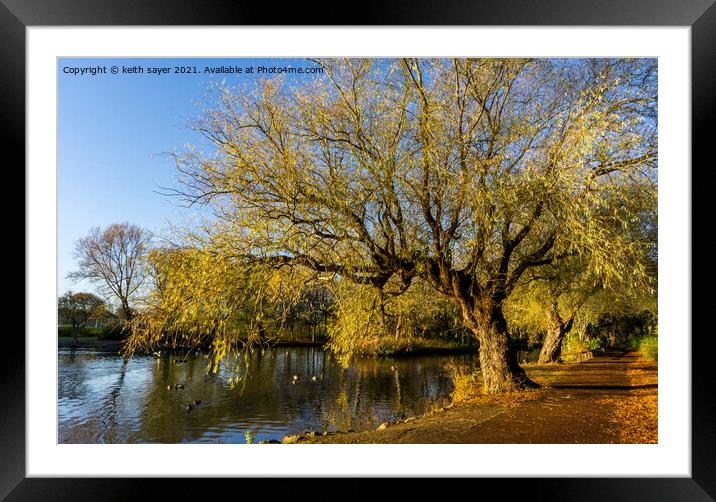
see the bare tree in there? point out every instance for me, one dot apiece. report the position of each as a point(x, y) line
point(114, 259)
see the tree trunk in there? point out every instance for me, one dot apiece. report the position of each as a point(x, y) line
point(498, 360)
point(75, 329)
point(262, 333)
point(126, 311)
point(552, 345)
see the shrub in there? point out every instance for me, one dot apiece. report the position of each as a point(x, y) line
point(573, 343)
point(107, 333)
point(598, 343)
point(66, 331)
point(649, 347)
point(633, 342)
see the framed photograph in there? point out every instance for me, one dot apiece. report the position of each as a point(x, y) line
point(422, 245)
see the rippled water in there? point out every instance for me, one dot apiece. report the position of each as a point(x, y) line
point(103, 399)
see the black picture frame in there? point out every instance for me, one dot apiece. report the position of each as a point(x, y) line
point(700, 15)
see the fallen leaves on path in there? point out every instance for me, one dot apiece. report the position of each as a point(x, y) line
point(506, 398)
point(637, 417)
point(637, 414)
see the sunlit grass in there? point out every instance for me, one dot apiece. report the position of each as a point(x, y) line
point(468, 388)
point(388, 346)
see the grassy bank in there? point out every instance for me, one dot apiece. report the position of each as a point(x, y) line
point(90, 342)
point(95, 338)
point(104, 333)
point(390, 347)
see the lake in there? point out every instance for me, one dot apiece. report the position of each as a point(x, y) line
point(103, 399)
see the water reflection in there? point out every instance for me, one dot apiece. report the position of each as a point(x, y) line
point(103, 398)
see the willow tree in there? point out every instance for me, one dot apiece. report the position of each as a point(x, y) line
point(203, 299)
point(545, 304)
point(367, 321)
point(463, 172)
point(551, 298)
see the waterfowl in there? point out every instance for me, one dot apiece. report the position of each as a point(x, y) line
point(314, 378)
point(157, 353)
point(393, 368)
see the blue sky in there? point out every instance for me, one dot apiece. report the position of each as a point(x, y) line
point(112, 132)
